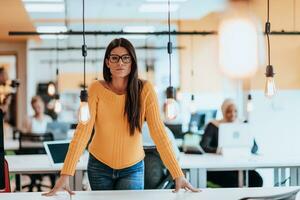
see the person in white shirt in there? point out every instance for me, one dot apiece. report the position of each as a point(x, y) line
point(38, 122)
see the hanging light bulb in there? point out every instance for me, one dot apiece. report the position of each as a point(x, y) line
point(270, 89)
point(84, 111)
point(193, 106)
point(51, 89)
point(249, 103)
point(239, 42)
point(171, 109)
point(57, 104)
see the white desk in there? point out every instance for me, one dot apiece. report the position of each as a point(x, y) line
point(197, 164)
point(40, 163)
point(10, 144)
point(206, 194)
point(200, 164)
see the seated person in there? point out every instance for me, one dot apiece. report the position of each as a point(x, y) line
point(209, 143)
point(38, 122)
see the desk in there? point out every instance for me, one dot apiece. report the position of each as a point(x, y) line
point(40, 163)
point(206, 194)
point(200, 164)
point(197, 164)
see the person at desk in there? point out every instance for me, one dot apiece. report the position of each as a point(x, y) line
point(209, 143)
point(38, 122)
point(119, 105)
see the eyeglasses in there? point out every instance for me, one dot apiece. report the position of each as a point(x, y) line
point(113, 58)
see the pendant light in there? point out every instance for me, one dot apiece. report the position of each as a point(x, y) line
point(270, 89)
point(239, 41)
point(171, 109)
point(57, 103)
point(249, 105)
point(84, 111)
point(192, 105)
point(51, 89)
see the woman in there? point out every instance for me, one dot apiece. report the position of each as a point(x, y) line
point(209, 143)
point(119, 105)
point(38, 122)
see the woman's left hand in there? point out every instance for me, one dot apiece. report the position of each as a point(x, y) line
point(181, 182)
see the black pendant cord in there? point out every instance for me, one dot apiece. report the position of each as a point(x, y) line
point(192, 68)
point(169, 45)
point(267, 31)
point(57, 61)
point(269, 69)
point(84, 47)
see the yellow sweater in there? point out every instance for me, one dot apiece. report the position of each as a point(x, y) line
point(112, 143)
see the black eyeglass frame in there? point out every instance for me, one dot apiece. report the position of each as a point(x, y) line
point(122, 57)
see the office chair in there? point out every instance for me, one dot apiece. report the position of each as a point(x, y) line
point(156, 174)
point(176, 130)
point(285, 196)
point(30, 143)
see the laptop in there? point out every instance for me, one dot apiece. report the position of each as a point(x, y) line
point(58, 129)
point(235, 136)
point(57, 151)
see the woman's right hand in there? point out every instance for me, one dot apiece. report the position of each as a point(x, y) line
point(61, 184)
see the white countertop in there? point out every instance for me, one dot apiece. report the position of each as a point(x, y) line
point(206, 194)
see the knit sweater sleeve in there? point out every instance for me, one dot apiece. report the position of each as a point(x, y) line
point(82, 134)
point(158, 132)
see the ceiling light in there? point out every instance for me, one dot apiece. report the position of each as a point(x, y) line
point(270, 88)
point(239, 41)
point(171, 106)
point(45, 7)
point(138, 29)
point(158, 7)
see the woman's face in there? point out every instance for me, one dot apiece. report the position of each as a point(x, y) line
point(119, 62)
point(230, 114)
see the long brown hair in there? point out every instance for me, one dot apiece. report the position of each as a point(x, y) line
point(134, 86)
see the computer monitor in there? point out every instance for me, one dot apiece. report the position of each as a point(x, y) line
point(235, 135)
point(201, 118)
point(58, 129)
point(57, 151)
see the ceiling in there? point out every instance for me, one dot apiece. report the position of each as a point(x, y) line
point(129, 9)
point(13, 16)
point(114, 15)
point(111, 15)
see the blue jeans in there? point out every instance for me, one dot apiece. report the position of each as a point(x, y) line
point(103, 177)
